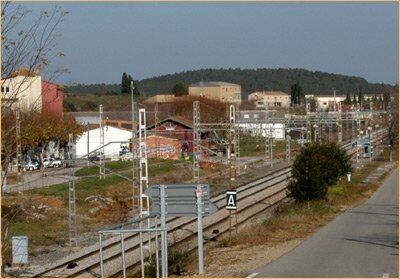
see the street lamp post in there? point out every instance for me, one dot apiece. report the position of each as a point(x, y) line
point(87, 131)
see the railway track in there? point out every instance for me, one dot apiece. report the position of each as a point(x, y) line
point(254, 198)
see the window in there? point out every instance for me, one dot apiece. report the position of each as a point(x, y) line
point(7, 89)
point(255, 116)
point(2, 89)
point(246, 116)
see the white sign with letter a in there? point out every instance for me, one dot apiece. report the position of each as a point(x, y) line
point(231, 199)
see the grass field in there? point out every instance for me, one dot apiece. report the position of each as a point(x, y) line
point(255, 146)
point(42, 214)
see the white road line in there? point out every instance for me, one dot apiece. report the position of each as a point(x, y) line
point(385, 275)
point(252, 275)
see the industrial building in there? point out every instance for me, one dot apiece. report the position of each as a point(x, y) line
point(111, 134)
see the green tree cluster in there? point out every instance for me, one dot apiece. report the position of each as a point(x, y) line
point(126, 81)
point(360, 96)
point(386, 100)
point(180, 89)
point(347, 101)
point(296, 94)
point(316, 168)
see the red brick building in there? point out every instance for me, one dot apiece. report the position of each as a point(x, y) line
point(178, 128)
point(163, 147)
point(52, 98)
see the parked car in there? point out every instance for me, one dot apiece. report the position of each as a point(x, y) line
point(46, 163)
point(31, 166)
point(52, 163)
point(94, 156)
point(56, 163)
point(127, 156)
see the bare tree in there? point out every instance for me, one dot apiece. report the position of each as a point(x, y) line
point(28, 48)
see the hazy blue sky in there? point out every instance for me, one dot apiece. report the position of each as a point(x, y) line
point(102, 40)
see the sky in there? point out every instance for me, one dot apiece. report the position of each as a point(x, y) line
point(102, 40)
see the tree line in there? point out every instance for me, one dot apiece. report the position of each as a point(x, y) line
point(312, 82)
point(358, 98)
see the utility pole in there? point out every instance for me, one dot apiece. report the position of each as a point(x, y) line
point(339, 122)
point(288, 155)
point(353, 126)
point(268, 137)
point(322, 124)
point(102, 174)
point(88, 150)
point(232, 165)
point(334, 100)
point(330, 128)
point(196, 142)
point(359, 137)
point(237, 142)
point(155, 127)
point(308, 122)
point(135, 160)
point(71, 194)
point(18, 141)
point(143, 178)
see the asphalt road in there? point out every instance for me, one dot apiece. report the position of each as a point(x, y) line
point(38, 179)
point(362, 242)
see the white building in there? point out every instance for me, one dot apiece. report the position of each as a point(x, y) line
point(276, 130)
point(271, 98)
point(27, 89)
point(255, 122)
point(326, 102)
point(111, 134)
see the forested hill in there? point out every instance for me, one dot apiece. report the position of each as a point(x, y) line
point(313, 82)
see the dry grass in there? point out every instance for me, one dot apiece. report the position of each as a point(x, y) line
point(256, 244)
point(299, 220)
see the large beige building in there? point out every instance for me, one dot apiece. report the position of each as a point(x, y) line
point(217, 90)
point(24, 89)
point(161, 98)
point(271, 98)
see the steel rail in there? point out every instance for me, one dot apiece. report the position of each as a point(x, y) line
point(243, 188)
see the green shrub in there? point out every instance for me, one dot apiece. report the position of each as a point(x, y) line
point(315, 168)
point(177, 261)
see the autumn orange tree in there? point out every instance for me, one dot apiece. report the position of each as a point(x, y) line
point(37, 129)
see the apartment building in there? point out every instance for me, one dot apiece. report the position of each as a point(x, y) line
point(23, 88)
point(217, 90)
point(29, 91)
point(271, 98)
